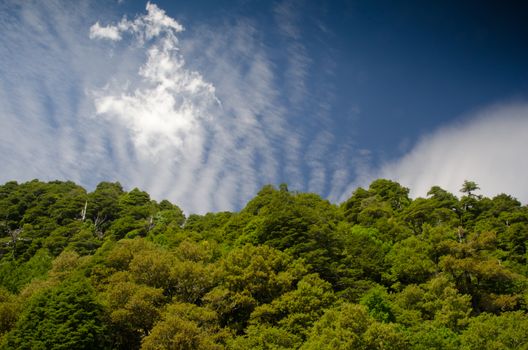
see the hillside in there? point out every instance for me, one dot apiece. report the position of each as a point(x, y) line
point(112, 269)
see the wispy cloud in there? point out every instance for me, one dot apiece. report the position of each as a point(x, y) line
point(324, 158)
point(197, 116)
point(489, 148)
point(249, 132)
point(44, 69)
point(208, 145)
point(287, 15)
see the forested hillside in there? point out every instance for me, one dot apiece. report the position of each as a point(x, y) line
point(112, 269)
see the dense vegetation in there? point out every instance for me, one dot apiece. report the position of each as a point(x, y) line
point(113, 269)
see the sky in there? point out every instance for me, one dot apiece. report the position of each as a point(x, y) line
point(204, 102)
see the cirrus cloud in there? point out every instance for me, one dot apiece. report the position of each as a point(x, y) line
point(210, 143)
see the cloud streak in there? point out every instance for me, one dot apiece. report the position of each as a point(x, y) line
point(488, 148)
point(44, 68)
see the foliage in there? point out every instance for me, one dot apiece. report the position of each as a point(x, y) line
point(506, 331)
point(63, 317)
point(185, 326)
point(117, 269)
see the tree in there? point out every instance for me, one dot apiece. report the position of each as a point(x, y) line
point(506, 331)
point(64, 317)
point(441, 208)
point(289, 271)
point(475, 272)
point(410, 261)
point(16, 274)
point(350, 327)
point(428, 336)
point(469, 187)
point(190, 281)
point(378, 306)
point(250, 276)
point(10, 309)
point(263, 336)
point(297, 310)
point(133, 310)
point(392, 192)
point(136, 212)
point(436, 301)
point(363, 261)
point(380, 207)
point(103, 205)
point(302, 224)
point(185, 326)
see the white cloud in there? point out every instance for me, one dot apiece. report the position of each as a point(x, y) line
point(110, 33)
point(242, 148)
point(168, 101)
point(203, 122)
point(146, 27)
point(489, 148)
point(46, 63)
point(202, 153)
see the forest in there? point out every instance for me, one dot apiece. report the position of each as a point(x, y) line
point(115, 269)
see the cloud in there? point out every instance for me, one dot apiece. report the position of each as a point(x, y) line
point(45, 67)
point(203, 148)
point(205, 117)
point(146, 27)
point(200, 117)
point(209, 114)
point(287, 16)
point(307, 87)
point(168, 102)
point(110, 33)
point(489, 148)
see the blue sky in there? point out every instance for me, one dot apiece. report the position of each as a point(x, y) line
point(204, 102)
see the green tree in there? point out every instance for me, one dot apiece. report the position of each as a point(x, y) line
point(133, 310)
point(441, 208)
point(339, 329)
point(64, 317)
point(506, 331)
point(190, 281)
point(250, 276)
point(103, 206)
point(263, 336)
point(301, 224)
point(296, 311)
point(437, 301)
point(378, 305)
point(469, 187)
point(410, 261)
point(428, 336)
point(186, 326)
point(363, 262)
point(477, 273)
point(10, 309)
point(379, 207)
point(350, 327)
point(14, 275)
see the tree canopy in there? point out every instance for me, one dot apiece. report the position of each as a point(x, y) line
point(117, 269)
